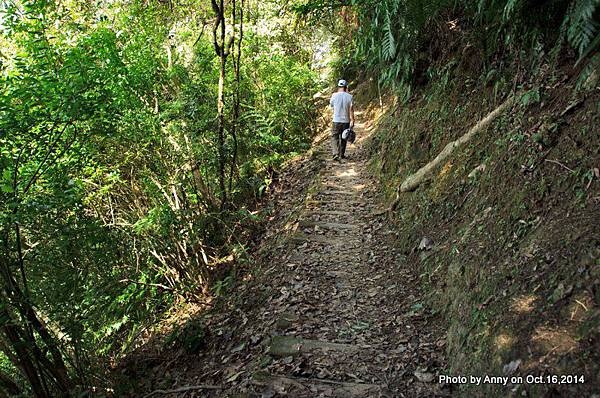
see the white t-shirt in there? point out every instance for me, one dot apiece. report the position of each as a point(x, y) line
point(341, 103)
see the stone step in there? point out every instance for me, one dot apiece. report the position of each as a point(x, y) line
point(351, 243)
point(328, 213)
point(283, 346)
point(341, 182)
point(339, 203)
point(337, 192)
point(299, 237)
point(312, 387)
point(347, 187)
point(326, 225)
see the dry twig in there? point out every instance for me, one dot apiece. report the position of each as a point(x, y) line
point(559, 163)
point(183, 389)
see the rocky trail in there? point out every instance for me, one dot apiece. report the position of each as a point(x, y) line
point(336, 312)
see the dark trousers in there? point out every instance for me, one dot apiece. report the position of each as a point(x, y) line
point(338, 144)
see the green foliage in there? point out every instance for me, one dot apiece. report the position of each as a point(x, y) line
point(582, 27)
point(530, 97)
point(388, 36)
point(109, 171)
point(222, 285)
point(389, 43)
point(583, 33)
point(190, 337)
point(401, 41)
point(277, 115)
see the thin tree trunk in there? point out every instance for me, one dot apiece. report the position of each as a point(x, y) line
point(21, 358)
point(19, 333)
point(236, 96)
point(221, 112)
point(8, 385)
point(222, 50)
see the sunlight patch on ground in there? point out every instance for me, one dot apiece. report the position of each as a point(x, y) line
point(290, 225)
point(349, 173)
point(523, 304)
point(504, 341)
point(554, 340)
point(446, 169)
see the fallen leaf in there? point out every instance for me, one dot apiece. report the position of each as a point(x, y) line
point(510, 367)
point(424, 377)
point(234, 377)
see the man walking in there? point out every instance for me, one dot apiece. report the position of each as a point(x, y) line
point(343, 118)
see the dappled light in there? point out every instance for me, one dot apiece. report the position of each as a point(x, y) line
point(504, 341)
point(523, 305)
point(554, 340)
point(349, 173)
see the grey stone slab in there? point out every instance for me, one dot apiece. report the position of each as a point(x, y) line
point(283, 346)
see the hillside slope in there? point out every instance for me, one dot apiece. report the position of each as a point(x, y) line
point(513, 219)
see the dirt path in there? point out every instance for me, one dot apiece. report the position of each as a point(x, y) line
point(351, 316)
point(336, 312)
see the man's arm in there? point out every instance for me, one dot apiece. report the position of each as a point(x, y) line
point(351, 115)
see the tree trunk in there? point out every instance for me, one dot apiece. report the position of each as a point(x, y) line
point(236, 95)
point(414, 180)
point(222, 50)
point(8, 385)
point(20, 357)
point(18, 329)
point(221, 143)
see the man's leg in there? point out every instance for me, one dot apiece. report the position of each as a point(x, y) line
point(335, 137)
point(334, 144)
point(342, 142)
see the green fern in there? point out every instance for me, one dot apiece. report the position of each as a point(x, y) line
point(588, 70)
point(389, 43)
point(582, 28)
point(509, 9)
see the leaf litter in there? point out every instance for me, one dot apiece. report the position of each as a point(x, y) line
point(326, 288)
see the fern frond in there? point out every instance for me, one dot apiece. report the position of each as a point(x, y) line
point(581, 26)
point(394, 6)
point(389, 43)
point(509, 9)
point(593, 46)
point(592, 66)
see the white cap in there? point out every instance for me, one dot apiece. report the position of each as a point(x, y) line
point(342, 83)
